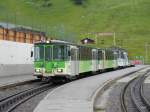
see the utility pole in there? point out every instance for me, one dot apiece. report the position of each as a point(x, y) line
point(114, 40)
point(146, 52)
point(15, 19)
point(96, 39)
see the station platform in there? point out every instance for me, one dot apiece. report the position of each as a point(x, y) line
point(15, 79)
point(78, 96)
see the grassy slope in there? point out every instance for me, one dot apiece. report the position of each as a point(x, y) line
point(64, 20)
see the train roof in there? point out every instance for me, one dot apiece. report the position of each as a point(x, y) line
point(60, 42)
point(118, 48)
point(54, 42)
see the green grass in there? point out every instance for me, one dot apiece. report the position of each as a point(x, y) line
point(130, 19)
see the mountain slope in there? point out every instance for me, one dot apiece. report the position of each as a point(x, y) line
point(63, 19)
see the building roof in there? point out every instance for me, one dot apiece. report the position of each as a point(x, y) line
point(87, 40)
point(21, 28)
point(27, 30)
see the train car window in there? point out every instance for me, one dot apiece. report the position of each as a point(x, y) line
point(38, 53)
point(80, 53)
point(85, 53)
point(73, 54)
point(100, 55)
point(109, 55)
point(112, 55)
point(115, 55)
point(48, 53)
point(122, 55)
point(65, 49)
point(94, 53)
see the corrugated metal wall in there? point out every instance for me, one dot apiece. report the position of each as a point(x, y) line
point(15, 58)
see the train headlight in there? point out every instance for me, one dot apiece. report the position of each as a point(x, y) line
point(37, 70)
point(59, 70)
point(47, 41)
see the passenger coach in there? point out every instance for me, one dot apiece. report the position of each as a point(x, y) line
point(65, 61)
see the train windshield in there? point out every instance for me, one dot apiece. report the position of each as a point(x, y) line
point(59, 52)
point(48, 53)
point(38, 53)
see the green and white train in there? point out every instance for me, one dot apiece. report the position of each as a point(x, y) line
point(62, 60)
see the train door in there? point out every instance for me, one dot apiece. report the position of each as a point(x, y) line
point(126, 59)
point(101, 59)
point(94, 60)
point(104, 59)
point(115, 59)
point(48, 58)
point(74, 60)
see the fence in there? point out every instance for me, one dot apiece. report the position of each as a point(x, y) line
point(23, 36)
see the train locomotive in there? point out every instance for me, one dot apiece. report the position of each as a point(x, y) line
point(65, 61)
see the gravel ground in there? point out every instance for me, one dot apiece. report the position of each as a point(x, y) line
point(146, 91)
point(10, 91)
point(114, 100)
point(130, 106)
point(114, 104)
point(30, 105)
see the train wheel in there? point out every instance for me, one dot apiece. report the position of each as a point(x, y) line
point(39, 78)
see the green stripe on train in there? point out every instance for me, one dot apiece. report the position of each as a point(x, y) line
point(49, 65)
point(85, 66)
point(109, 63)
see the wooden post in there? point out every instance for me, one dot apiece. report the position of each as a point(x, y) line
point(3, 33)
point(24, 37)
point(7, 38)
point(31, 39)
point(15, 36)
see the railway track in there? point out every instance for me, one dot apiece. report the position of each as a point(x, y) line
point(135, 88)
point(11, 102)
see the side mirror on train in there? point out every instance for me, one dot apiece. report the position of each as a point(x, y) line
point(69, 53)
point(31, 54)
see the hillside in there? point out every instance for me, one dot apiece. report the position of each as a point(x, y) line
point(67, 20)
